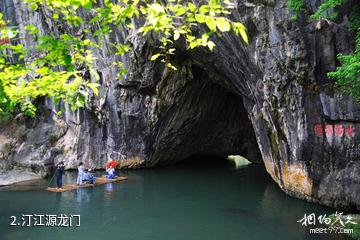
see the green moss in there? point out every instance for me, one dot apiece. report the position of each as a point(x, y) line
point(6, 149)
point(5, 118)
point(59, 151)
point(274, 101)
point(274, 145)
point(53, 138)
point(271, 136)
point(260, 116)
point(21, 133)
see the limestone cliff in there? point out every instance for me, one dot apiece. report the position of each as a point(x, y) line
point(272, 95)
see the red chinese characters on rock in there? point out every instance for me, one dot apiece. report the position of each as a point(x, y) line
point(4, 41)
point(350, 131)
point(318, 130)
point(334, 129)
point(329, 129)
point(339, 130)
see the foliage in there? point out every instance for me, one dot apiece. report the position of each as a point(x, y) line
point(6, 149)
point(61, 65)
point(355, 18)
point(348, 73)
point(354, 227)
point(53, 138)
point(295, 6)
point(55, 68)
point(326, 9)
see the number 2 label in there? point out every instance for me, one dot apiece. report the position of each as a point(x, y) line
point(13, 221)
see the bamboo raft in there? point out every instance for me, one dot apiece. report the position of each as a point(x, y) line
point(99, 181)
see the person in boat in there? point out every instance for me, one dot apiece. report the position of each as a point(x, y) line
point(88, 177)
point(59, 173)
point(110, 172)
point(80, 176)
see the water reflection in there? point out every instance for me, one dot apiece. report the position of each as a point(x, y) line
point(109, 190)
point(83, 195)
point(279, 207)
point(204, 202)
point(33, 185)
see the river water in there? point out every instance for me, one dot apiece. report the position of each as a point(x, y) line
point(184, 202)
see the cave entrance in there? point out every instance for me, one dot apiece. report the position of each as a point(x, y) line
point(219, 161)
point(203, 119)
point(203, 158)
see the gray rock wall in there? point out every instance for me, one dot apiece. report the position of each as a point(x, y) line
point(275, 89)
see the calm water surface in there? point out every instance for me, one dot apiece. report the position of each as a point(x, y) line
point(185, 202)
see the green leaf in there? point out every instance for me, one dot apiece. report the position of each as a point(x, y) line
point(169, 65)
point(240, 29)
point(88, 5)
point(176, 35)
point(94, 87)
point(32, 29)
point(73, 108)
point(33, 6)
point(59, 65)
point(67, 60)
point(223, 24)
point(193, 45)
point(179, 10)
point(192, 7)
point(204, 9)
point(94, 75)
point(244, 35)
point(211, 23)
point(123, 71)
point(200, 18)
point(155, 56)
point(211, 45)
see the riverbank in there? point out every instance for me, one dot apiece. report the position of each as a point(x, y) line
point(17, 176)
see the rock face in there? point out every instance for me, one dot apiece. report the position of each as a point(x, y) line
point(16, 176)
point(272, 95)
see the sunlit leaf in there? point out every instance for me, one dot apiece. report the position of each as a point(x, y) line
point(223, 24)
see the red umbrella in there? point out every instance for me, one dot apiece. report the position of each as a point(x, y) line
point(113, 164)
